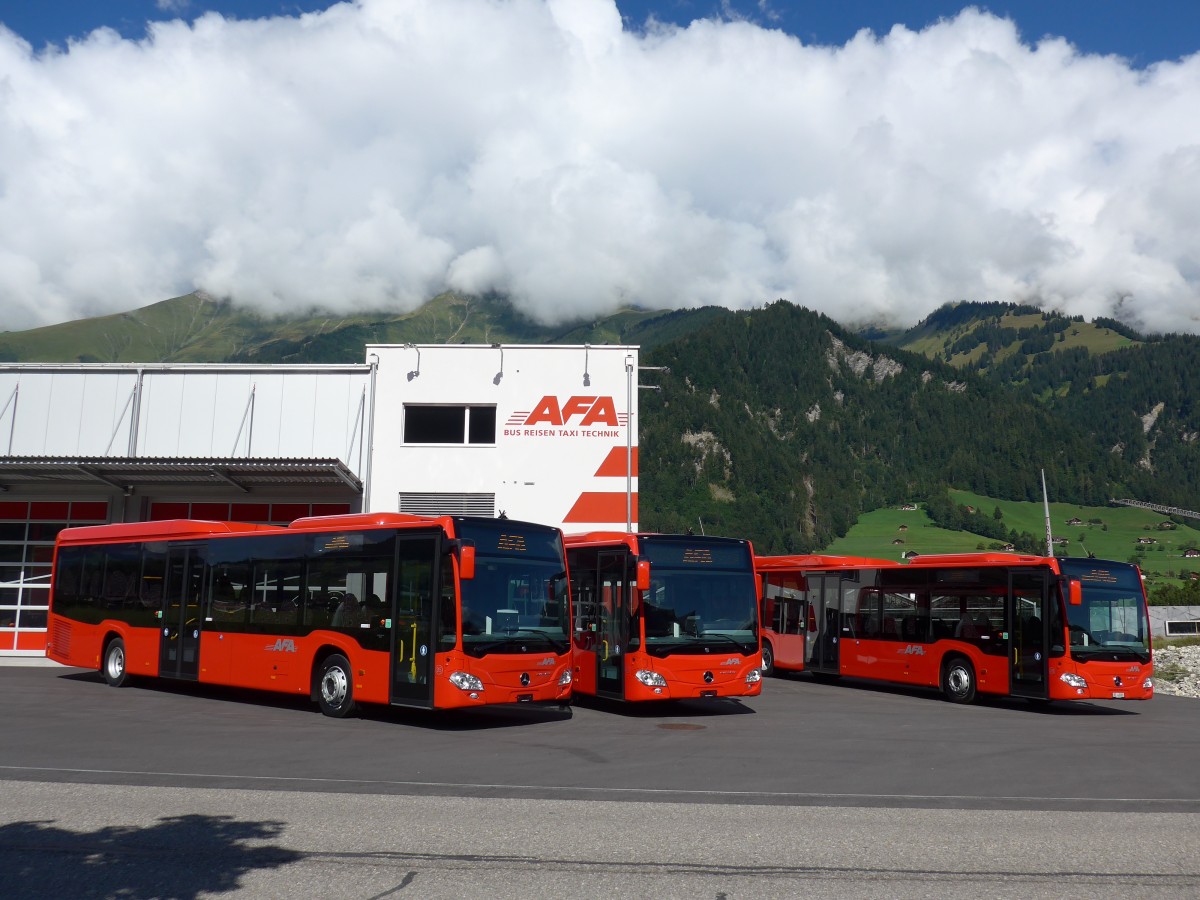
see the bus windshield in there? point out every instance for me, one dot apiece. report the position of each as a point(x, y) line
point(702, 597)
point(1110, 624)
point(518, 600)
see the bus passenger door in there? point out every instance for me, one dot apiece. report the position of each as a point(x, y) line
point(1028, 595)
point(414, 610)
point(613, 625)
point(824, 599)
point(180, 618)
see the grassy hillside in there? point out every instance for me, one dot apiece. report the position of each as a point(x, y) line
point(969, 337)
point(197, 328)
point(875, 533)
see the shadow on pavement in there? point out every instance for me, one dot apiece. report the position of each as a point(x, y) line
point(181, 856)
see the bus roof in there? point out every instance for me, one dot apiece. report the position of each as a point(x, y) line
point(366, 520)
point(630, 539)
point(819, 561)
point(159, 530)
point(979, 559)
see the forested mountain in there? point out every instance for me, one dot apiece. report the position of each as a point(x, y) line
point(778, 422)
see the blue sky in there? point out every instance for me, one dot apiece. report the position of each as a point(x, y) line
point(563, 152)
point(1144, 32)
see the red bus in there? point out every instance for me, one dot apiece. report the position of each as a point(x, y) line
point(662, 616)
point(1044, 628)
point(430, 612)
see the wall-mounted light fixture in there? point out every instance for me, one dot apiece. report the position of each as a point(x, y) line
point(417, 371)
point(500, 374)
point(587, 379)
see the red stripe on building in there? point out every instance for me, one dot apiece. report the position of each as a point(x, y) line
point(601, 506)
point(614, 464)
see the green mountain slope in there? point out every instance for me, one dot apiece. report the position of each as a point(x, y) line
point(197, 328)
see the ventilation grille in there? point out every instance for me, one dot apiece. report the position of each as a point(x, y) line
point(61, 638)
point(448, 504)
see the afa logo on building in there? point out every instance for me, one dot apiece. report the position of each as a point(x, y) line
point(576, 416)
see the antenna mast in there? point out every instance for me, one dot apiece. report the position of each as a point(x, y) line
point(1046, 504)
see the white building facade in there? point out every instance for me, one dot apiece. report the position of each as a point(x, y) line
point(543, 433)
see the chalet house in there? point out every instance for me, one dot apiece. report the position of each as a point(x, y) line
point(1061, 542)
point(909, 554)
point(1166, 526)
point(1074, 521)
point(1008, 548)
point(903, 528)
point(898, 541)
point(1191, 553)
point(1145, 540)
point(909, 507)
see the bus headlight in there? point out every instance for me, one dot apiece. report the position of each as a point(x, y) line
point(754, 676)
point(1073, 680)
point(650, 679)
point(1148, 684)
point(565, 678)
point(465, 681)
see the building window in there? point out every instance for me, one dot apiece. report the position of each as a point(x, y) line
point(27, 533)
point(449, 424)
point(1183, 627)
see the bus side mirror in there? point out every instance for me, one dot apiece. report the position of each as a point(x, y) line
point(466, 563)
point(643, 575)
point(1075, 592)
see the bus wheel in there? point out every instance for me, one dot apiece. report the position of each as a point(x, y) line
point(335, 690)
point(958, 680)
point(115, 672)
point(768, 663)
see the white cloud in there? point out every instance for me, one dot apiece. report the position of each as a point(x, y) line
point(375, 153)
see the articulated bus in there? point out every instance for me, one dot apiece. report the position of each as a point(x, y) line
point(429, 612)
point(660, 616)
point(1043, 628)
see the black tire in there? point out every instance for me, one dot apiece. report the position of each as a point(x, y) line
point(335, 686)
point(768, 659)
point(958, 680)
point(115, 671)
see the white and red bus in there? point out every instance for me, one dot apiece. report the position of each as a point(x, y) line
point(1044, 628)
point(430, 612)
point(664, 616)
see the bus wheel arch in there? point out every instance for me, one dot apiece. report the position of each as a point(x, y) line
point(958, 679)
point(114, 663)
point(768, 658)
point(333, 683)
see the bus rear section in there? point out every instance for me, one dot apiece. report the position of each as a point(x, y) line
point(993, 623)
point(345, 609)
point(790, 625)
point(664, 617)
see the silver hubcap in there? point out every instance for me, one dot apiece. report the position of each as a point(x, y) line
point(116, 663)
point(334, 686)
point(959, 680)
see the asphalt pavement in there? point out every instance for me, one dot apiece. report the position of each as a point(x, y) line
point(168, 790)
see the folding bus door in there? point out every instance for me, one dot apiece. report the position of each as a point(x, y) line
point(1028, 592)
point(415, 599)
point(824, 599)
point(181, 614)
point(613, 626)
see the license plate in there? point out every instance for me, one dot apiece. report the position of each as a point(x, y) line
point(1118, 695)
